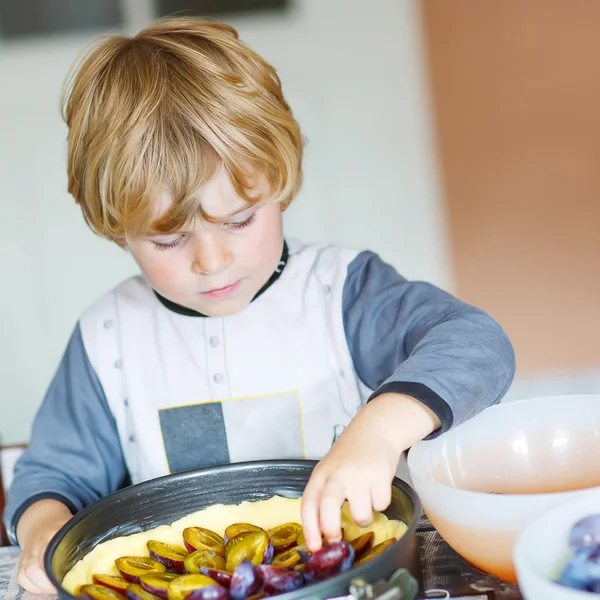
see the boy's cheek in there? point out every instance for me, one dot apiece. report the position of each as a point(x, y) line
point(161, 273)
point(165, 276)
point(269, 235)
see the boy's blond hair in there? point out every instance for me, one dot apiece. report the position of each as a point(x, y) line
point(163, 111)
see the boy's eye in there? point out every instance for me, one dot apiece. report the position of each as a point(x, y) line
point(241, 224)
point(166, 243)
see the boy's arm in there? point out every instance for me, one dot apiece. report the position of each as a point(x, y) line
point(74, 455)
point(433, 362)
point(414, 339)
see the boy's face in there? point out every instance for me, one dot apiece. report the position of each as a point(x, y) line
point(214, 268)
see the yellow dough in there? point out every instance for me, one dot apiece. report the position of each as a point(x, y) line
point(265, 513)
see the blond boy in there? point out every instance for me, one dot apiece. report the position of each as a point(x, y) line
point(234, 343)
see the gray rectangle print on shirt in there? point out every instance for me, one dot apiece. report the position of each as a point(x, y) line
point(194, 436)
point(235, 430)
point(264, 427)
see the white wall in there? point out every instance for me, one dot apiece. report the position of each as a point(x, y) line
point(352, 70)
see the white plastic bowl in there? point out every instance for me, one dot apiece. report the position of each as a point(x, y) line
point(542, 550)
point(534, 454)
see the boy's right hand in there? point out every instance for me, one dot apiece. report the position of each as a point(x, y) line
point(35, 529)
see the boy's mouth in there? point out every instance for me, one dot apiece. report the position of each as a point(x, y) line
point(222, 292)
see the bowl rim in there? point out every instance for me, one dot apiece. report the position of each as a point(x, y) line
point(545, 496)
point(522, 549)
point(359, 571)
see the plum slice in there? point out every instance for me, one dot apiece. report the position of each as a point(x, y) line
point(285, 536)
point(169, 555)
point(185, 584)
point(276, 580)
point(329, 561)
point(220, 576)
point(136, 592)
point(157, 583)
point(269, 553)
point(245, 581)
point(203, 558)
point(210, 592)
point(304, 553)
point(93, 591)
point(256, 547)
point(233, 542)
point(362, 544)
point(110, 581)
point(198, 538)
point(289, 559)
point(238, 528)
point(375, 551)
point(131, 567)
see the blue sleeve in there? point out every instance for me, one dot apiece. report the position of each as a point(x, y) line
point(413, 338)
point(74, 454)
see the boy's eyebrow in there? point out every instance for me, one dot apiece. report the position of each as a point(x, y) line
point(235, 213)
point(238, 211)
point(154, 232)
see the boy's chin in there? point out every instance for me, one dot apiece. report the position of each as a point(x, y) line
point(222, 308)
point(225, 308)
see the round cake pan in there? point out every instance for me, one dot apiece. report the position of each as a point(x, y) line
point(166, 499)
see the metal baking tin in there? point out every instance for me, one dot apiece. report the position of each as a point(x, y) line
point(166, 499)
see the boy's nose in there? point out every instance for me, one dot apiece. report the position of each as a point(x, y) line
point(211, 258)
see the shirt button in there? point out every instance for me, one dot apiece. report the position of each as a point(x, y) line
point(214, 341)
point(218, 378)
point(132, 438)
point(126, 402)
point(327, 289)
point(118, 364)
point(108, 324)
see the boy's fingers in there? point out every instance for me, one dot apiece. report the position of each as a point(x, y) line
point(310, 513)
point(39, 579)
point(381, 496)
point(361, 508)
point(26, 584)
point(330, 519)
point(33, 578)
point(45, 584)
